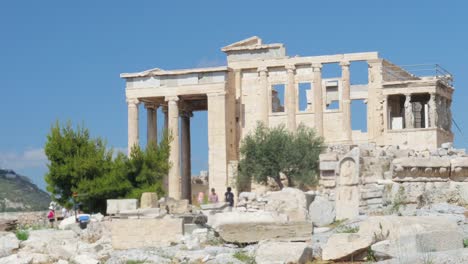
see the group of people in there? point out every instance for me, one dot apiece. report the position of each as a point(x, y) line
point(213, 197)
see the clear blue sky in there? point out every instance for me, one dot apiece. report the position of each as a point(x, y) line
point(61, 60)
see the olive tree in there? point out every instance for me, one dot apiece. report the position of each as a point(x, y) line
point(269, 153)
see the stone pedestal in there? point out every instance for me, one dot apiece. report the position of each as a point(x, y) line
point(149, 200)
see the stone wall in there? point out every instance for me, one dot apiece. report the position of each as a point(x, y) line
point(390, 174)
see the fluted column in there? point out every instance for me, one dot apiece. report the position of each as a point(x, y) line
point(132, 123)
point(409, 120)
point(291, 93)
point(174, 156)
point(263, 96)
point(318, 98)
point(346, 100)
point(151, 124)
point(186, 180)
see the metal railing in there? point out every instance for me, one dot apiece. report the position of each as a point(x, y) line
point(415, 71)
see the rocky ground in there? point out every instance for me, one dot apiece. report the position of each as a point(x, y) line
point(272, 228)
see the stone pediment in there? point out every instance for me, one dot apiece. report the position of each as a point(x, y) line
point(251, 43)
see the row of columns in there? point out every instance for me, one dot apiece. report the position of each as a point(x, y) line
point(291, 98)
point(433, 113)
point(178, 183)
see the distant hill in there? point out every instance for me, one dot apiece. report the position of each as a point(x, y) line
point(18, 193)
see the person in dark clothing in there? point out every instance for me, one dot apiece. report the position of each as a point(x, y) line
point(229, 197)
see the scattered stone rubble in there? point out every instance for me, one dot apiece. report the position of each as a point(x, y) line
point(389, 204)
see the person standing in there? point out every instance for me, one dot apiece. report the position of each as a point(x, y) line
point(201, 197)
point(229, 198)
point(213, 196)
point(51, 216)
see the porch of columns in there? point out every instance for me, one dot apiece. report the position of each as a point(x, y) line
point(318, 100)
point(152, 125)
point(174, 184)
point(346, 100)
point(132, 123)
point(263, 96)
point(291, 93)
point(186, 181)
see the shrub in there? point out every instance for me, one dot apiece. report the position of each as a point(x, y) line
point(22, 234)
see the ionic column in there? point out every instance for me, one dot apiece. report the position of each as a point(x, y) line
point(132, 123)
point(291, 97)
point(263, 94)
point(186, 180)
point(164, 110)
point(346, 100)
point(318, 98)
point(409, 119)
point(433, 118)
point(151, 125)
point(174, 155)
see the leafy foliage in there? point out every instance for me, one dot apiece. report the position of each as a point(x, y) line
point(22, 234)
point(81, 164)
point(272, 152)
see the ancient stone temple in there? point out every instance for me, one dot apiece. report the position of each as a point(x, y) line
point(403, 108)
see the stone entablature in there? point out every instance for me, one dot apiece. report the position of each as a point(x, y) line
point(402, 109)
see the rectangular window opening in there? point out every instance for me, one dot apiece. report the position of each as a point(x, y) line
point(332, 95)
point(359, 72)
point(305, 97)
point(359, 115)
point(277, 98)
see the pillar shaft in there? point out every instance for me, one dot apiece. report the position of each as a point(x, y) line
point(291, 93)
point(217, 145)
point(409, 119)
point(174, 155)
point(318, 98)
point(264, 96)
point(132, 123)
point(346, 100)
point(151, 125)
point(186, 156)
point(433, 117)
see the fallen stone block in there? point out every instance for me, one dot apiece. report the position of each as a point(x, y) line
point(8, 243)
point(322, 211)
point(114, 206)
point(141, 233)
point(236, 217)
point(345, 246)
point(271, 252)
point(214, 206)
point(289, 201)
point(254, 232)
point(173, 206)
point(149, 200)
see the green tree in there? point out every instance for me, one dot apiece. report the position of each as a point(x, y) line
point(81, 164)
point(146, 169)
point(74, 158)
point(270, 152)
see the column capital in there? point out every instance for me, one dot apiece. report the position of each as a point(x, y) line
point(153, 106)
point(262, 70)
point(133, 101)
point(290, 68)
point(345, 63)
point(171, 98)
point(316, 67)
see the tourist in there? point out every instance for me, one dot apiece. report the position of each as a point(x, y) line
point(51, 216)
point(213, 198)
point(201, 197)
point(229, 198)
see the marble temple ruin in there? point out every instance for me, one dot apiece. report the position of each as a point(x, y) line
point(403, 109)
